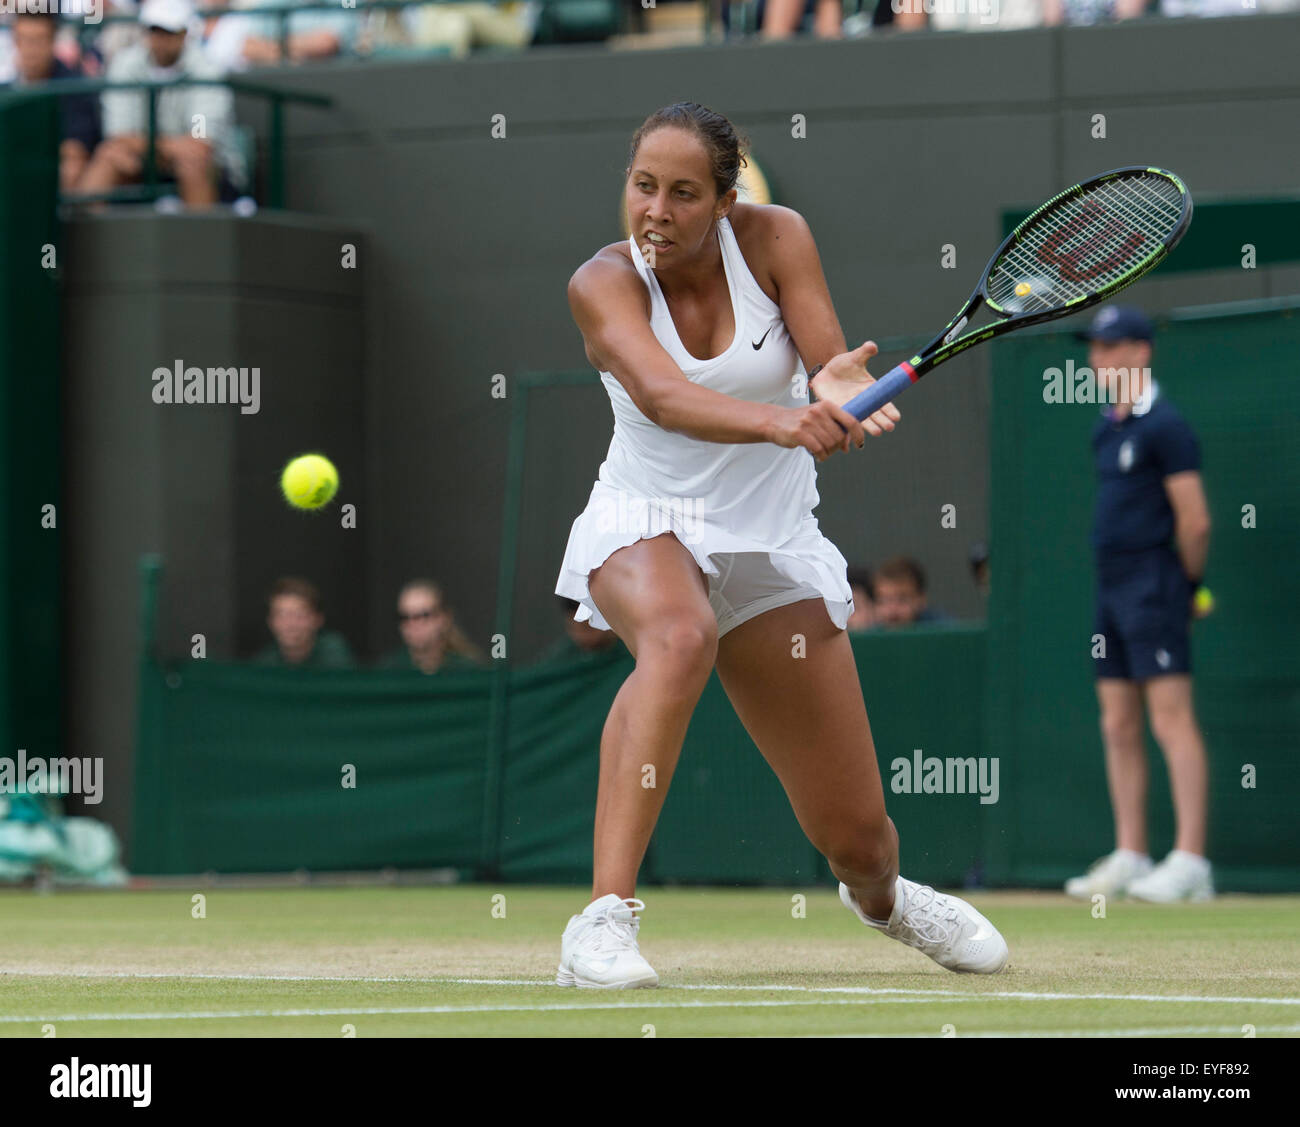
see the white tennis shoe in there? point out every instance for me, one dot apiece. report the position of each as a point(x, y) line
point(944, 927)
point(1180, 876)
point(598, 948)
point(1111, 876)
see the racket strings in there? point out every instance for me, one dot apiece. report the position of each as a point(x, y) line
point(1087, 243)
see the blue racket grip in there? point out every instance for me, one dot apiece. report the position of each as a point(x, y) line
point(882, 391)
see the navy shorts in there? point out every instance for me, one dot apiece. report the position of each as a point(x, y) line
point(1143, 612)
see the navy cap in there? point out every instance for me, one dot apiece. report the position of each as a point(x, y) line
point(1118, 322)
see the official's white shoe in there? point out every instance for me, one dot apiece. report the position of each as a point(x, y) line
point(944, 927)
point(1111, 876)
point(598, 948)
point(1180, 876)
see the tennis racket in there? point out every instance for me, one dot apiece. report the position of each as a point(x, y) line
point(1079, 248)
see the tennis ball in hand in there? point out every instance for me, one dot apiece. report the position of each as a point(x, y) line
point(1203, 601)
point(309, 481)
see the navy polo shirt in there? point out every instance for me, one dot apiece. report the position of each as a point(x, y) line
point(1134, 456)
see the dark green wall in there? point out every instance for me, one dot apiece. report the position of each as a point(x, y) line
point(30, 692)
point(198, 484)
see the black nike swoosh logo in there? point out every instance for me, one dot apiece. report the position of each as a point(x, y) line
point(762, 339)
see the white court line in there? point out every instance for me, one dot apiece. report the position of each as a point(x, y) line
point(201, 1015)
point(1163, 1031)
point(543, 1008)
point(869, 991)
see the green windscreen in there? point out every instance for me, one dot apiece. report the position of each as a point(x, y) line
point(1232, 375)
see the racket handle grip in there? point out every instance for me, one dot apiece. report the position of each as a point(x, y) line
point(870, 401)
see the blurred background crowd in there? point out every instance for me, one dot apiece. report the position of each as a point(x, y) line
point(204, 151)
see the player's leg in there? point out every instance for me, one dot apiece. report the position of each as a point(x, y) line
point(1120, 706)
point(1173, 722)
point(807, 717)
point(655, 597)
point(791, 676)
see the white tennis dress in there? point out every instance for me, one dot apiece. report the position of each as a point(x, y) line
point(743, 511)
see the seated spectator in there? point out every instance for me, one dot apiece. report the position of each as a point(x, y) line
point(972, 15)
point(461, 27)
point(1080, 12)
point(864, 600)
point(581, 639)
point(295, 619)
point(34, 35)
point(780, 19)
point(900, 595)
point(113, 38)
point(431, 640)
point(202, 158)
point(313, 34)
point(223, 36)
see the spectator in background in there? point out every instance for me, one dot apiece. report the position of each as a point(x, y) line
point(780, 19)
point(431, 640)
point(461, 27)
point(864, 600)
point(313, 35)
point(223, 36)
point(112, 39)
point(973, 15)
point(581, 639)
point(900, 595)
point(33, 39)
point(202, 158)
point(296, 620)
point(1078, 12)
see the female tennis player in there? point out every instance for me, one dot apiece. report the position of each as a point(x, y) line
point(698, 545)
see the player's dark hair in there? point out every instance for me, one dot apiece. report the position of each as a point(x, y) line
point(861, 577)
point(301, 588)
point(726, 148)
point(903, 567)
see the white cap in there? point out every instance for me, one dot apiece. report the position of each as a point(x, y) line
point(170, 15)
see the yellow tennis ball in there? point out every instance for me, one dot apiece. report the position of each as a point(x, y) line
point(1204, 600)
point(1023, 289)
point(309, 481)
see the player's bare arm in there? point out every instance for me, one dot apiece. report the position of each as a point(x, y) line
point(607, 298)
point(1191, 520)
point(809, 316)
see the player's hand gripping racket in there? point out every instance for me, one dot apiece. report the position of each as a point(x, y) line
point(1079, 248)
